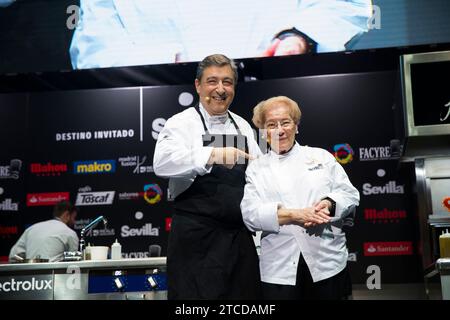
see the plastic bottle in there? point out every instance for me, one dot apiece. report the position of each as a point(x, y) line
point(444, 244)
point(88, 252)
point(116, 251)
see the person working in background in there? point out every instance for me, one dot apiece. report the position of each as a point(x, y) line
point(300, 198)
point(49, 239)
point(204, 152)
point(112, 33)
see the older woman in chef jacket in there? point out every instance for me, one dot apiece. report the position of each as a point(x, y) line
point(299, 197)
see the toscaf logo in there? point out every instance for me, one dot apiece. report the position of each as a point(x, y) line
point(343, 153)
point(95, 198)
point(48, 169)
point(94, 166)
point(388, 248)
point(46, 199)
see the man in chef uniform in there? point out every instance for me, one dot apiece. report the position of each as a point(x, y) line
point(299, 197)
point(204, 150)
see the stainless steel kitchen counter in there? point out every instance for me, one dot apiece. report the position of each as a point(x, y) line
point(143, 278)
point(443, 266)
point(87, 264)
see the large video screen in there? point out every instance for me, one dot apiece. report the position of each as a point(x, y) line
point(50, 35)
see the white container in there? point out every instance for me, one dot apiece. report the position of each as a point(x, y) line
point(88, 252)
point(116, 251)
point(99, 253)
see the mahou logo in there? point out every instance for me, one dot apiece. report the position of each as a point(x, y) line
point(46, 199)
point(384, 216)
point(48, 169)
point(388, 248)
point(6, 231)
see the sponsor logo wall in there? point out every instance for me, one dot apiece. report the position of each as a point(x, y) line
point(99, 155)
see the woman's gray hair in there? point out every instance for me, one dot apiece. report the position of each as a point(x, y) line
point(259, 111)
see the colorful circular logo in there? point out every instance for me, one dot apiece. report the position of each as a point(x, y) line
point(343, 153)
point(152, 193)
point(446, 203)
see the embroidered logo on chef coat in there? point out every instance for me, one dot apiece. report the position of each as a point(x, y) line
point(317, 167)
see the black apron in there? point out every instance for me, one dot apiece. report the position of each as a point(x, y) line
point(211, 254)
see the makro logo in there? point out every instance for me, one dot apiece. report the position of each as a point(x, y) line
point(146, 230)
point(28, 285)
point(137, 163)
point(152, 193)
point(8, 205)
point(388, 248)
point(343, 153)
point(94, 166)
point(11, 171)
point(95, 198)
point(446, 203)
point(384, 216)
point(48, 169)
point(6, 231)
point(374, 153)
point(389, 188)
point(46, 199)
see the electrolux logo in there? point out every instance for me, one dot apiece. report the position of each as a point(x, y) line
point(46, 199)
point(95, 198)
point(152, 193)
point(343, 153)
point(14, 285)
point(48, 169)
point(374, 153)
point(389, 188)
point(94, 166)
point(388, 248)
point(146, 230)
point(384, 216)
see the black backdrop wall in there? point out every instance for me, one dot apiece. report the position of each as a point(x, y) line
point(110, 134)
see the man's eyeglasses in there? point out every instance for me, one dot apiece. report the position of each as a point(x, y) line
point(285, 124)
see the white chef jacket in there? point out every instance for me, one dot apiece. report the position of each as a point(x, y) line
point(113, 33)
point(47, 240)
point(297, 180)
point(179, 152)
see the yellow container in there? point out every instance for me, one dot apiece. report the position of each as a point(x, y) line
point(444, 244)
